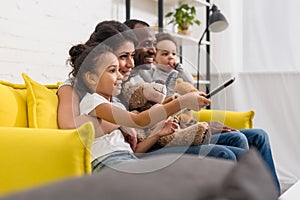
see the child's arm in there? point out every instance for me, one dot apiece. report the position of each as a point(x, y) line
point(168, 128)
point(106, 111)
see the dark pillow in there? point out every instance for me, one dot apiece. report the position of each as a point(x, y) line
point(250, 179)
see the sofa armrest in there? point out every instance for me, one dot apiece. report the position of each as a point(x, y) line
point(237, 120)
point(34, 156)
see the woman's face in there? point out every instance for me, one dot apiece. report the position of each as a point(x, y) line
point(125, 54)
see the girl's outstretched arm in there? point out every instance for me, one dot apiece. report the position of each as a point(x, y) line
point(155, 114)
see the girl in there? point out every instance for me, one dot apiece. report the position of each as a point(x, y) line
point(97, 80)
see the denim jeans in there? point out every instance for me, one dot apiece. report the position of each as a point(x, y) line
point(210, 150)
point(230, 146)
point(259, 139)
point(234, 139)
point(246, 138)
point(112, 159)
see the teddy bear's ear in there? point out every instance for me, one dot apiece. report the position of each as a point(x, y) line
point(179, 80)
point(183, 87)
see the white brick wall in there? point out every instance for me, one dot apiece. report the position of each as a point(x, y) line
point(35, 35)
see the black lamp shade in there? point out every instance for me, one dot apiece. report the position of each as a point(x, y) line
point(217, 22)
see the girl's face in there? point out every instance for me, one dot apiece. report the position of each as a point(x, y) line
point(125, 54)
point(109, 79)
point(166, 55)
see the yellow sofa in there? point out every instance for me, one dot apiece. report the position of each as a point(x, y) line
point(33, 150)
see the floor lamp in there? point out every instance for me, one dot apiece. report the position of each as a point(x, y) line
point(216, 23)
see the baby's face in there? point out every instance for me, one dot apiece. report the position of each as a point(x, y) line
point(166, 55)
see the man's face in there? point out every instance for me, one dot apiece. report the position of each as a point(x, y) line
point(145, 50)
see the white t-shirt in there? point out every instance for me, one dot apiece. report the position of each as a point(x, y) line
point(108, 143)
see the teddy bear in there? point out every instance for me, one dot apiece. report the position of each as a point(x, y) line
point(145, 95)
point(181, 87)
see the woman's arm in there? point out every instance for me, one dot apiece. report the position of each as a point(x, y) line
point(68, 111)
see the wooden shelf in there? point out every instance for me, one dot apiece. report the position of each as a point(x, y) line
point(186, 40)
point(197, 2)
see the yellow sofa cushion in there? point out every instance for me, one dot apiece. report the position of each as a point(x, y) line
point(32, 157)
point(13, 108)
point(237, 120)
point(42, 103)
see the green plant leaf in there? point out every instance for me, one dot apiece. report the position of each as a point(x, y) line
point(169, 14)
point(183, 16)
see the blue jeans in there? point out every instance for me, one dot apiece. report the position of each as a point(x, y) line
point(257, 138)
point(234, 139)
point(210, 150)
point(113, 158)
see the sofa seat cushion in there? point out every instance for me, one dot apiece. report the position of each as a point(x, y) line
point(237, 120)
point(32, 157)
point(13, 108)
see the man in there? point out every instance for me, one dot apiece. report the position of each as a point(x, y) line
point(145, 50)
point(222, 135)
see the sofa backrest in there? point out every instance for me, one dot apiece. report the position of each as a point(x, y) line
point(13, 106)
point(18, 104)
point(233, 119)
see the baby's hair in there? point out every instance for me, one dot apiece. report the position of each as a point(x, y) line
point(165, 36)
point(87, 61)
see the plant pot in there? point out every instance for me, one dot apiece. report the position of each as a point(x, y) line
point(185, 32)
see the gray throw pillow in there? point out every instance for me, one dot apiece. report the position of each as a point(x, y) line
point(188, 177)
point(250, 179)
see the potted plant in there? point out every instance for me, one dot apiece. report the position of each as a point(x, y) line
point(183, 17)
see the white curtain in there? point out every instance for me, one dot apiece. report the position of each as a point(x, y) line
point(261, 48)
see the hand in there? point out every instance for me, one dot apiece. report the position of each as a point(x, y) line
point(193, 100)
point(130, 136)
point(172, 63)
point(217, 127)
point(169, 127)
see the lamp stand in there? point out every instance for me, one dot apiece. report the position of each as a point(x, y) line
point(199, 55)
